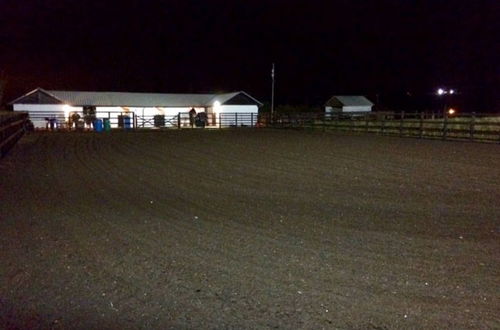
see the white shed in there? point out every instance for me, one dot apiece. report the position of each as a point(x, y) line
point(143, 107)
point(348, 103)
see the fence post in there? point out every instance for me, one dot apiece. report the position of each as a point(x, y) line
point(401, 121)
point(236, 118)
point(471, 127)
point(445, 125)
point(12, 129)
point(3, 134)
point(179, 120)
point(251, 119)
point(498, 135)
point(220, 120)
point(421, 125)
point(366, 122)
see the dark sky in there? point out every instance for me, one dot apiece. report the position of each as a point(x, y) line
point(320, 48)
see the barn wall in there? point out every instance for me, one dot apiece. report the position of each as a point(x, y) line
point(239, 108)
point(112, 114)
point(38, 112)
point(329, 109)
point(144, 114)
point(167, 111)
point(229, 115)
point(363, 108)
point(149, 111)
point(39, 107)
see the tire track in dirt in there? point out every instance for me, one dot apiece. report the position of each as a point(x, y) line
point(241, 259)
point(219, 267)
point(75, 185)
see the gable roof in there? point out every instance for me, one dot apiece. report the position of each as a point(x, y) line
point(349, 100)
point(38, 95)
point(80, 98)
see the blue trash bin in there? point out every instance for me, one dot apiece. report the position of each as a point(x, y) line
point(98, 127)
point(126, 122)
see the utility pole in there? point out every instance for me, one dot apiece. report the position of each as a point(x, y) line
point(272, 93)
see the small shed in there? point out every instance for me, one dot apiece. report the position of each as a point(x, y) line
point(348, 103)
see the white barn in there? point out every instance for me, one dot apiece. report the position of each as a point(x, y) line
point(348, 103)
point(140, 107)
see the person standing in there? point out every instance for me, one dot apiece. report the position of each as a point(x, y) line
point(192, 115)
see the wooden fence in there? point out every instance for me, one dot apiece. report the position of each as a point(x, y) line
point(12, 127)
point(472, 127)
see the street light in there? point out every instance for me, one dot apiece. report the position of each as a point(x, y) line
point(444, 91)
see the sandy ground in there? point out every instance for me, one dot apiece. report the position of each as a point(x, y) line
point(249, 229)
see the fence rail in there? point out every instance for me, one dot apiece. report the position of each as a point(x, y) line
point(130, 120)
point(220, 120)
point(472, 127)
point(59, 120)
point(12, 127)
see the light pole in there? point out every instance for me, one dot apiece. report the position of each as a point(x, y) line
point(272, 93)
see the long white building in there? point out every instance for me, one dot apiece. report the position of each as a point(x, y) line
point(140, 109)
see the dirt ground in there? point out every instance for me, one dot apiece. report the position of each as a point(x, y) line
point(249, 229)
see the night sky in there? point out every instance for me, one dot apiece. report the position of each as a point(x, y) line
point(402, 50)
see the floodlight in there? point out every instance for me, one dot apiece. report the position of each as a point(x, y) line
point(217, 106)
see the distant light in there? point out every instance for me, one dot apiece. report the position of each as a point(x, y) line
point(441, 91)
point(452, 91)
point(451, 111)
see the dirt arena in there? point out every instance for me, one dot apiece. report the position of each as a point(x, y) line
point(249, 229)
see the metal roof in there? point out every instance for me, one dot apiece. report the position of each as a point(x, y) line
point(79, 98)
point(351, 100)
